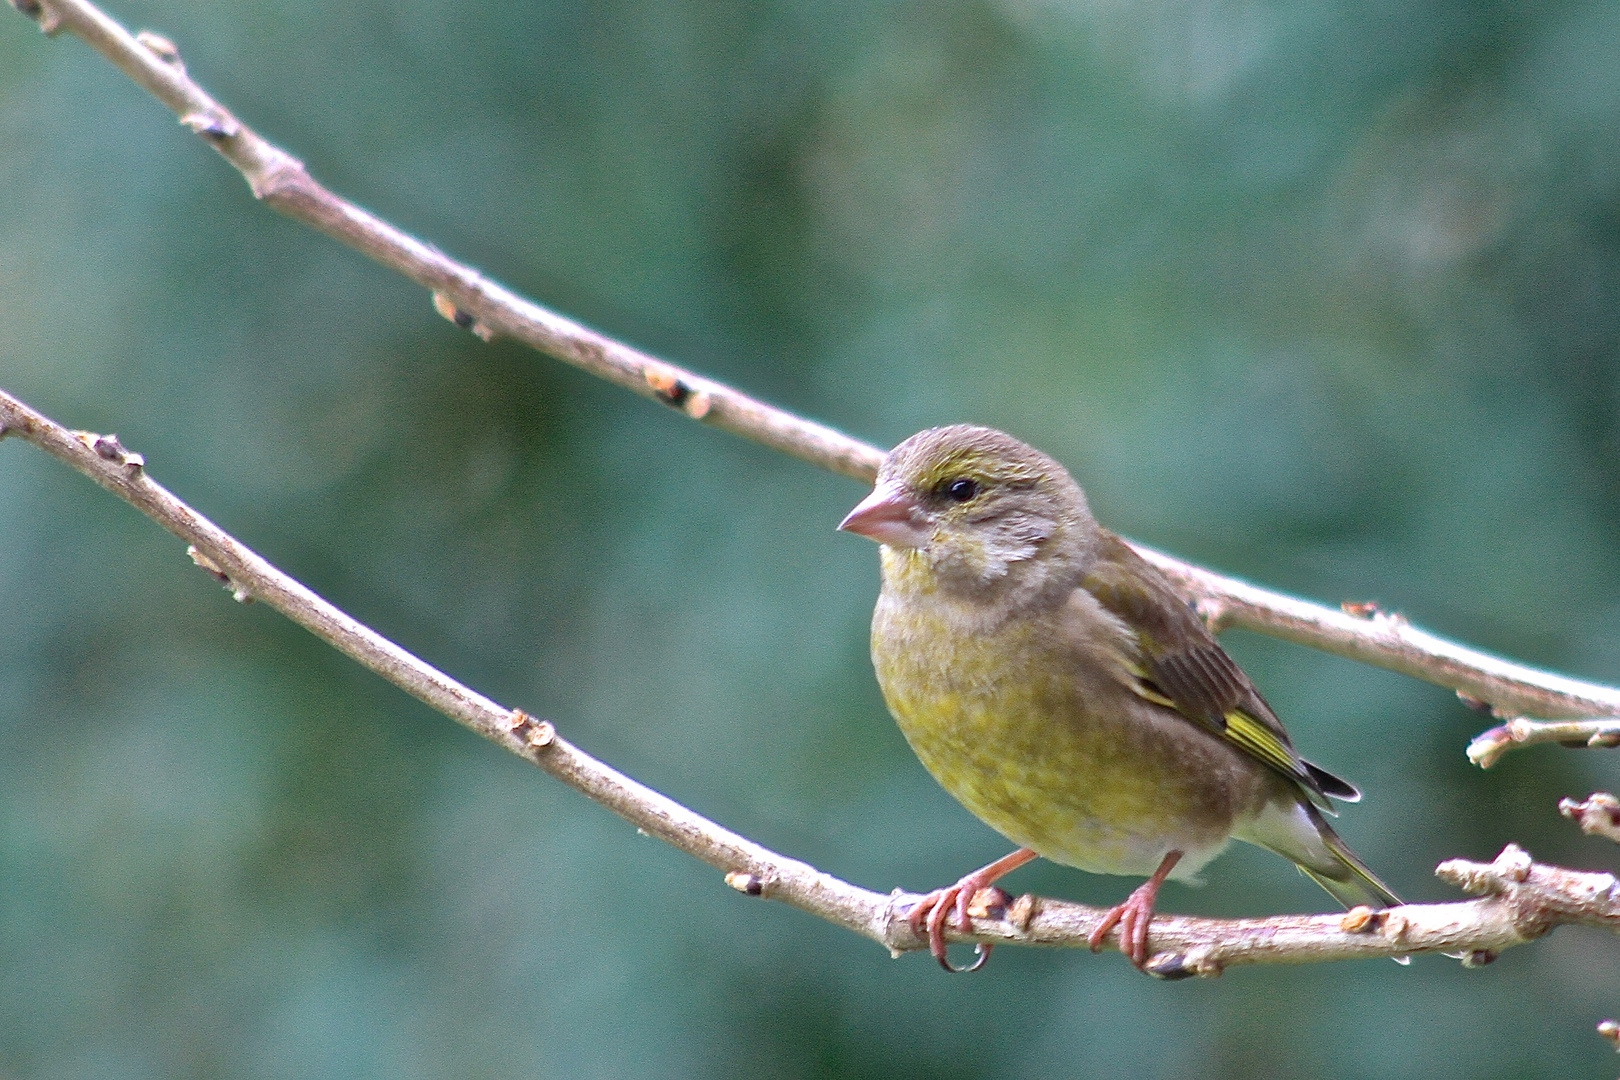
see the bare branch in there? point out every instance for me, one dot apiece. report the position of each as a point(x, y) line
point(1489, 746)
point(1599, 815)
point(481, 305)
point(1384, 639)
point(249, 576)
point(1521, 901)
point(471, 300)
point(486, 308)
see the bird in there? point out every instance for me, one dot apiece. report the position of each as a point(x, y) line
point(1055, 683)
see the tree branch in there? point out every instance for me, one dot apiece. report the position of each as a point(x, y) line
point(1598, 815)
point(1489, 746)
point(486, 308)
point(1521, 900)
point(250, 577)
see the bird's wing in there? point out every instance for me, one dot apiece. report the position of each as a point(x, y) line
point(1183, 668)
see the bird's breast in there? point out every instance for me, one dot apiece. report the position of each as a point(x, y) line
point(1027, 728)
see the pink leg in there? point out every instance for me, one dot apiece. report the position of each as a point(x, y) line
point(1134, 914)
point(933, 909)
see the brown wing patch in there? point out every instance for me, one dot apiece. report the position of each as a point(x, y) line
point(1182, 666)
point(1204, 681)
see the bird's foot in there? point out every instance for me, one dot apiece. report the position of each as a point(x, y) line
point(1134, 915)
point(930, 914)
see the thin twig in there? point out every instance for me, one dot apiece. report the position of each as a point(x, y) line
point(1489, 746)
point(1523, 900)
point(1385, 639)
point(1610, 1029)
point(1598, 815)
point(486, 308)
point(462, 293)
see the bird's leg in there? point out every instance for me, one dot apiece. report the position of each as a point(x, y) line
point(933, 909)
point(1134, 914)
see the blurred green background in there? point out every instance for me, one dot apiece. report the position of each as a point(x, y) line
point(1323, 294)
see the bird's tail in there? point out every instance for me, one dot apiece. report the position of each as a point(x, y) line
point(1298, 831)
point(1347, 879)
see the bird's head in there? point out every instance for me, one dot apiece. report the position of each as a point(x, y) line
point(971, 506)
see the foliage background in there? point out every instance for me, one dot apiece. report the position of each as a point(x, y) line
point(1323, 294)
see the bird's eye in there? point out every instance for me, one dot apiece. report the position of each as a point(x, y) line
point(961, 490)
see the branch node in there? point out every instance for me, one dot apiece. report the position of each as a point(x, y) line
point(1485, 879)
point(1168, 966)
point(286, 174)
point(239, 592)
point(1478, 958)
point(108, 448)
point(1198, 962)
point(462, 318)
point(989, 902)
point(1513, 863)
point(1372, 611)
point(1594, 732)
point(897, 935)
point(1022, 911)
point(1361, 919)
point(1519, 728)
point(447, 308)
point(1537, 898)
point(209, 565)
point(746, 883)
point(213, 123)
point(49, 21)
point(1473, 703)
point(1215, 612)
point(1489, 746)
point(536, 734)
point(162, 48)
point(1599, 815)
point(677, 393)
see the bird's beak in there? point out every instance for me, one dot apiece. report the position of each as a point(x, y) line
point(889, 516)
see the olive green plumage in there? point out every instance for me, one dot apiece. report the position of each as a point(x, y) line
point(1056, 685)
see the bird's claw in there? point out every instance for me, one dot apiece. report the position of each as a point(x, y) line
point(973, 896)
point(968, 897)
point(1133, 918)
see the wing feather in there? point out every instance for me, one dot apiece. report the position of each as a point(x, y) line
point(1183, 667)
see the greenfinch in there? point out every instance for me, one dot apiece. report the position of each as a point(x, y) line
point(1054, 682)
